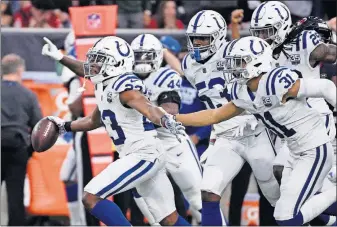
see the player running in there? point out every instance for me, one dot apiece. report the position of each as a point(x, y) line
point(301, 47)
point(235, 142)
point(121, 106)
point(277, 97)
point(163, 86)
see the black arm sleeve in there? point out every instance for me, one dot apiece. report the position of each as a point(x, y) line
point(169, 97)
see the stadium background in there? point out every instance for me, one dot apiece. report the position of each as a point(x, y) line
point(46, 196)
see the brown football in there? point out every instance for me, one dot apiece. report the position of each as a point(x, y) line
point(44, 135)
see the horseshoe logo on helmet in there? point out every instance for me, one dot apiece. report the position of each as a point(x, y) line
point(119, 50)
point(252, 47)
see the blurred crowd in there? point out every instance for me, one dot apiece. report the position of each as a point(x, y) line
point(166, 14)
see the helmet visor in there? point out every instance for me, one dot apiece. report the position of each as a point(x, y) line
point(235, 68)
point(97, 63)
point(266, 33)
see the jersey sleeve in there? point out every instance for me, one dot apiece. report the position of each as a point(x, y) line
point(186, 68)
point(279, 81)
point(128, 82)
point(168, 80)
point(306, 43)
point(234, 91)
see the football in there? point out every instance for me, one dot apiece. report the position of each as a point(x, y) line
point(44, 135)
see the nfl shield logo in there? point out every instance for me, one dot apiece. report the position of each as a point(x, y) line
point(94, 20)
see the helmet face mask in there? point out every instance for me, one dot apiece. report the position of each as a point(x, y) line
point(235, 68)
point(145, 61)
point(148, 52)
point(201, 45)
point(205, 33)
point(271, 21)
point(109, 57)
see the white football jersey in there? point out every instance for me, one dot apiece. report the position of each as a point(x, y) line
point(163, 80)
point(209, 80)
point(127, 127)
point(298, 52)
point(294, 121)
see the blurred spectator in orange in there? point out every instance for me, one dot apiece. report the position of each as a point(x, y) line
point(6, 14)
point(166, 16)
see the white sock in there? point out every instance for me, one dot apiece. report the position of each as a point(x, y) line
point(317, 204)
point(196, 214)
point(75, 216)
point(145, 210)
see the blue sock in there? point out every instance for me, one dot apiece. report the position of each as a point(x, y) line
point(295, 221)
point(211, 214)
point(109, 213)
point(331, 210)
point(71, 192)
point(181, 222)
point(322, 220)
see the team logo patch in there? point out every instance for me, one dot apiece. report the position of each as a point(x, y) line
point(295, 59)
point(267, 101)
point(220, 66)
point(94, 21)
point(109, 97)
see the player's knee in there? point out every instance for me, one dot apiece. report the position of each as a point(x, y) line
point(170, 220)
point(277, 170)
point(209, 197)
point(89, 200)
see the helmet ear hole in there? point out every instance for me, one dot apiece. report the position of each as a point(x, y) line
point(285, 28)
point(257, 65)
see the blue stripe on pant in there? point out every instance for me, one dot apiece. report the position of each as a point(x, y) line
point(195, 155)
point(121, 178)
point(310, 177)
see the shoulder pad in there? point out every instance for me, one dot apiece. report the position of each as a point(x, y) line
point(307, 41)
point(164, 78)
point(279, 81)
point(128, 82)
point(184, 62)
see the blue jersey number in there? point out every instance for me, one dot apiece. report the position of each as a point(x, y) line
point(173, 84)
point(109, 118)
point(267, 117)
point(223, 94)
point(288, 80)
point(315, 38)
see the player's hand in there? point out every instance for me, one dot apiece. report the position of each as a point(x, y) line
point(332, 175)
point(49, 49)
point(241, 128)
point(176, 128)
point(237, 16)
point(59, 122)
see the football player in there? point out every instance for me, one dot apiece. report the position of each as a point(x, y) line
point(301, 47)
point(277, 97)
point(163, 86)
point(124, 109)
point(235, 142)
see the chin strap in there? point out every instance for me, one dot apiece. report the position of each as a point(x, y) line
point(82, 89)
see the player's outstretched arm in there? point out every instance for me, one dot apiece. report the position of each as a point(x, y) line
point(85, 124)
point(209, 117)
point(313, 88)
point(139, 102)
point(323, 52)
point(50, 50)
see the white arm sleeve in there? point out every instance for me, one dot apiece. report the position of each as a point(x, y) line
point(318, 88)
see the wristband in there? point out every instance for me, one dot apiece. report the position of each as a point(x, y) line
point(67, 126)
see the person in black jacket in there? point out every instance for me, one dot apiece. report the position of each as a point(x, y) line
point(20, 111)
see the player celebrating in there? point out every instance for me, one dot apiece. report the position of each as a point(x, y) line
point(206, 33)
point(121, 106)
point(278, 98)
point(163, 86)
point(299, 47)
